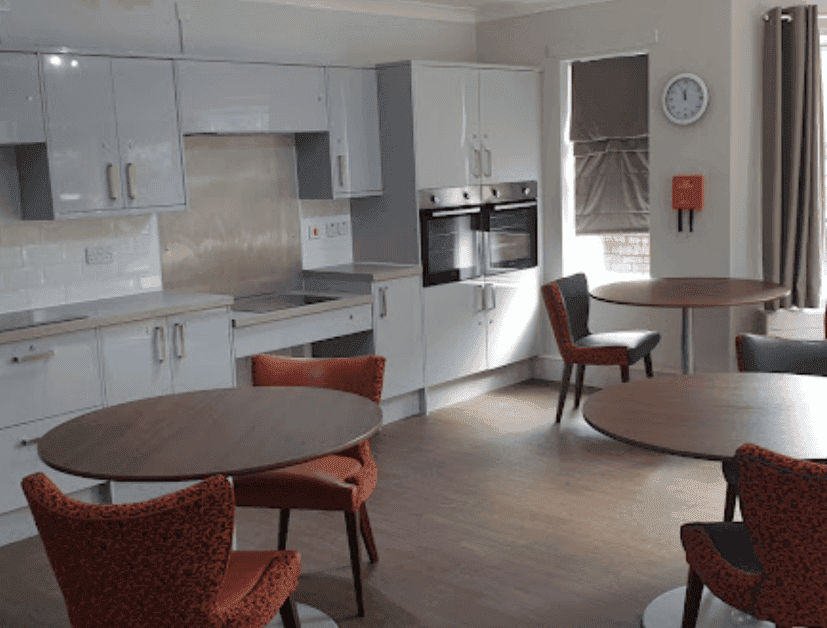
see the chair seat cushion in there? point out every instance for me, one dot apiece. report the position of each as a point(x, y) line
point(255, 586)
point(637, 342)
point(328, 483)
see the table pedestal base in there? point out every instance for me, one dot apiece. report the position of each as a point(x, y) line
point(666, 611)
point(309, 617)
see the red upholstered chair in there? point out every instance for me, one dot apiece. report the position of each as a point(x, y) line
point(336, 482)
point(771, 565)
point(567, 304)
point(166, 562)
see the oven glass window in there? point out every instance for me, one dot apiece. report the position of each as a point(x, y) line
point(512, 239)
point(451, 248)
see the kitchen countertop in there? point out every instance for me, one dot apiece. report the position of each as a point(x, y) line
point(116, 310)
point(366, 271)
point(246, 319)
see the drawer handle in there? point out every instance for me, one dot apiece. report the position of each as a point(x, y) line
point(33, 357)
point(27, 442)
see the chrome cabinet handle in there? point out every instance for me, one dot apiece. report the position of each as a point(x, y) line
point(113, 182)
point(477, 162)
point(28, 442)
point(160, 350)
point(340, 159)
point(488, 152)
point(178, 339)
point(383, 296)
point(479, 298)
point(490, 296)
point(131, 185)
point(33, 357)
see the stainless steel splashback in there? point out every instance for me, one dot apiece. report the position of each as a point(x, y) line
point(241, 235)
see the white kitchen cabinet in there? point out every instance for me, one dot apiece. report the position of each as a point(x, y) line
point(225, 97)
point(454, 320)
point(113, 139)
point(397, 333)
point(474, 126)
point(513, 313)
point(21, 108)
point(165, 355)
point(346, 162)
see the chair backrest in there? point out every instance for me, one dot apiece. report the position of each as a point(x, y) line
point(156, 563)
point(361, 375)
point(567, 304)
point(784, 504)
point(766, 354)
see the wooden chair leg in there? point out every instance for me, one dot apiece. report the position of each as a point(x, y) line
point(578, 384)
point(647, 360)
point(564, 388)
point(355, 565)
point(624, 372)
point(289, 614)
point(284, 519)
point(367, 533)
point(729, 504)
point(694, 589)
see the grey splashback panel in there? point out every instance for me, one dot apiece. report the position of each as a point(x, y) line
point(241, 235)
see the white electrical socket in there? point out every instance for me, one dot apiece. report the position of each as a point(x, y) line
point(99, 254)
point(313, 232)
point(331, 230)
point(343, 228)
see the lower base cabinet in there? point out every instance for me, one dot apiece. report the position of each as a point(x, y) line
point(397, 334)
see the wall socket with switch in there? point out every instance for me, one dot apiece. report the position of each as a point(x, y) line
point(99, 254)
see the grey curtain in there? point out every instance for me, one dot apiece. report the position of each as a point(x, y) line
point(792, 154)
point(610, 133)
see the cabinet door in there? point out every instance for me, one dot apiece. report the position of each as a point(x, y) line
point(510, 124)
point(397, 334)
point(228, 97)
point(21, 109)
point(513, 302)
point(136, 361)
point(84, 163)
point(454, 325)
point(353, 115)
point(148, 135)
point(446, 126)
point(200, 352)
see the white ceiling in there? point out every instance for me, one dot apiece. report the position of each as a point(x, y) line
point(447, 10)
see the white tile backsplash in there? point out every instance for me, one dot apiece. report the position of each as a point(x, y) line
point(43, 264)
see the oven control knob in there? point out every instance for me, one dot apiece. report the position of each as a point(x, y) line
point(495, 192)
point(466, 195)
point(526, 191)
point(434, 198)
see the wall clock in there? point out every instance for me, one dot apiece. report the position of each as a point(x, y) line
point(685, 98)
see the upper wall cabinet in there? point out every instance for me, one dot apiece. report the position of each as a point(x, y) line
point(474, 126)
point(345, 162)
point(21, 108)
point(113, 140)
point(225, 97)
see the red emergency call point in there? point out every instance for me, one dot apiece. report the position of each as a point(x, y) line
point(687, 193)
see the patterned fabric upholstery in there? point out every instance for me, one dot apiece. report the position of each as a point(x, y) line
point(327, 483)
point(166, 562)
point(784, 502)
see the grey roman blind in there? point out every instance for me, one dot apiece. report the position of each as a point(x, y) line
point(610, 133)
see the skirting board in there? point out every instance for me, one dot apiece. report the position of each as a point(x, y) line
point(550, 368)
point(403, 406)
point(467, 388)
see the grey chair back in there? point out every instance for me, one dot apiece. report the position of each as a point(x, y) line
point(766, 354)
point(575, 291)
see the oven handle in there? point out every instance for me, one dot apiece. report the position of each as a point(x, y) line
point(506, 206)
point(455, 212)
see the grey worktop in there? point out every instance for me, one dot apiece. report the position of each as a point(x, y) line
point(246, 319)
point(117, 310)
point(365, 271)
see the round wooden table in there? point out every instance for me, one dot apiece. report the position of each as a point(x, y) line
point(708, 417)
point(688, 293)
point(231, 431)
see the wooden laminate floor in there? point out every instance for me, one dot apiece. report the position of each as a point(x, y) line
point(486, 514)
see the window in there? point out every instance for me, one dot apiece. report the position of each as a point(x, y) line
point(606, 161)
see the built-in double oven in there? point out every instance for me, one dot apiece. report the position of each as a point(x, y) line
point(477, 231)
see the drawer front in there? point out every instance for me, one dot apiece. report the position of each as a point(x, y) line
point(289, 332)
point(49, 377)
point(18, 458)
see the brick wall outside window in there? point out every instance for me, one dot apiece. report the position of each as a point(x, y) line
point(626, 253)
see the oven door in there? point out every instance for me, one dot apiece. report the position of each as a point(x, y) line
point(511, 236)
point(451, 245)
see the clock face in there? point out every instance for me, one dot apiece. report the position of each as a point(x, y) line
point(685, 99)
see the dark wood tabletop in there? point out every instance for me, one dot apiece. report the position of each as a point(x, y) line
point(690, 292)
point(194, 435)
point(709, 416)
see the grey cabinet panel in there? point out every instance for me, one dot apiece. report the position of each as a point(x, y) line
point(21, 107)
point(148, 135)
point(83, 144)
point(224, 97)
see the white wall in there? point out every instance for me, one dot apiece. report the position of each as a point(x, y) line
point(720, 41)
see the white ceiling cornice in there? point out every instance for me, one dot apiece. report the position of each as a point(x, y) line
point(432, 11)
